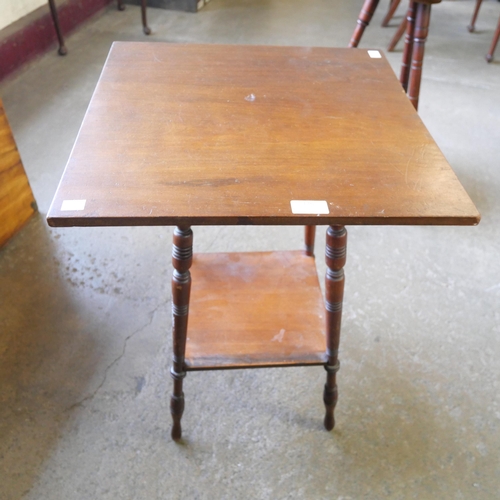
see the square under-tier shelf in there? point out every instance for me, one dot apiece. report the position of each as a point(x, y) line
point(257, 309)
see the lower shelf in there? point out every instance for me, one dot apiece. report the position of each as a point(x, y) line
point(257, 309)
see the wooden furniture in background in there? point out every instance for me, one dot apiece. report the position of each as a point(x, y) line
point(472, 25)
point(496, 36)
point(55, 18)
point(393, 6)
point(145, 28)
point(17, 204)
point(62, 50)
point(494, 42)
point(417, 28)
point(235, 135)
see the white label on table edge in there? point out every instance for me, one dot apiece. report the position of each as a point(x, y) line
point(374, 54)
point(70, 205)
point(309, 207)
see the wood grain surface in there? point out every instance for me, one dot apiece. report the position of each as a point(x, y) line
point(215, 134)
point(17, 204)
point(255, 309)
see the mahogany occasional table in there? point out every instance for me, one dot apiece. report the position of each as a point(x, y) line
point(183, 135)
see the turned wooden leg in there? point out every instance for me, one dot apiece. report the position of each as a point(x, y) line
point(472, 25)
point(365, 16)
point(422, 21)
point(120, 5)
point(397, 36)
point(145, 27)
point(408, 48)
point(392, 9)
point(336, 241)
point(496, 36)
point(182, 257)
point(309, 237)
point(55, 18)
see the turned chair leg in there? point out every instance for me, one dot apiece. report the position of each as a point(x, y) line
point(55, 19)
point(392, 9)
point(496, 36)
point(422, 21)
point(472, 25)
point(408, 48)
point(365, 16)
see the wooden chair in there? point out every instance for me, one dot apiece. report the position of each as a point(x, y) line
point(496, 36)
point(417, 28)
point(392, 10)
point(55, 19)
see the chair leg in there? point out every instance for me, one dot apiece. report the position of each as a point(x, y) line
point(472, 25)
point(496, 36)
point(365, 16)
point(55, 18)
point(392, 9)
point(408, 48)
point(423, 17)
point(397, 36)
point(145, 28)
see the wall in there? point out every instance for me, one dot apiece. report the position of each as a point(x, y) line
point(12, 10)
point(34, 33)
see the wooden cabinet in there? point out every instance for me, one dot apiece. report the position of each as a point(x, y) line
point(17, 203)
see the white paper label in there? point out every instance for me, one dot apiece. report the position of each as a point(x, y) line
point(70, 205)
point(374, 54)
point(309, 207)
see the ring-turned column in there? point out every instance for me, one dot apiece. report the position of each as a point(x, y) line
point(182, 257)
point(336, 241)
point(365, 16)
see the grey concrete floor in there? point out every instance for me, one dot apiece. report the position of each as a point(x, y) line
point(85, 312)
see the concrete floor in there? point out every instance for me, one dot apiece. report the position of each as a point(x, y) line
point(85, 313)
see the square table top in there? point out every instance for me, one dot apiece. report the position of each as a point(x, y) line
point(232, 134)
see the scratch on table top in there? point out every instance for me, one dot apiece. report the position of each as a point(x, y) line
point(156, 58)
point(494, 287)
point(419, 153)
point(279, 337)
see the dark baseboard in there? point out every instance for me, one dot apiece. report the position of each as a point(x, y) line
point(185, 5)
point(34, 34)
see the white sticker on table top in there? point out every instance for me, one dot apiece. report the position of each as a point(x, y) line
point(375, 54)
point(69, 205)
point(309, 207)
